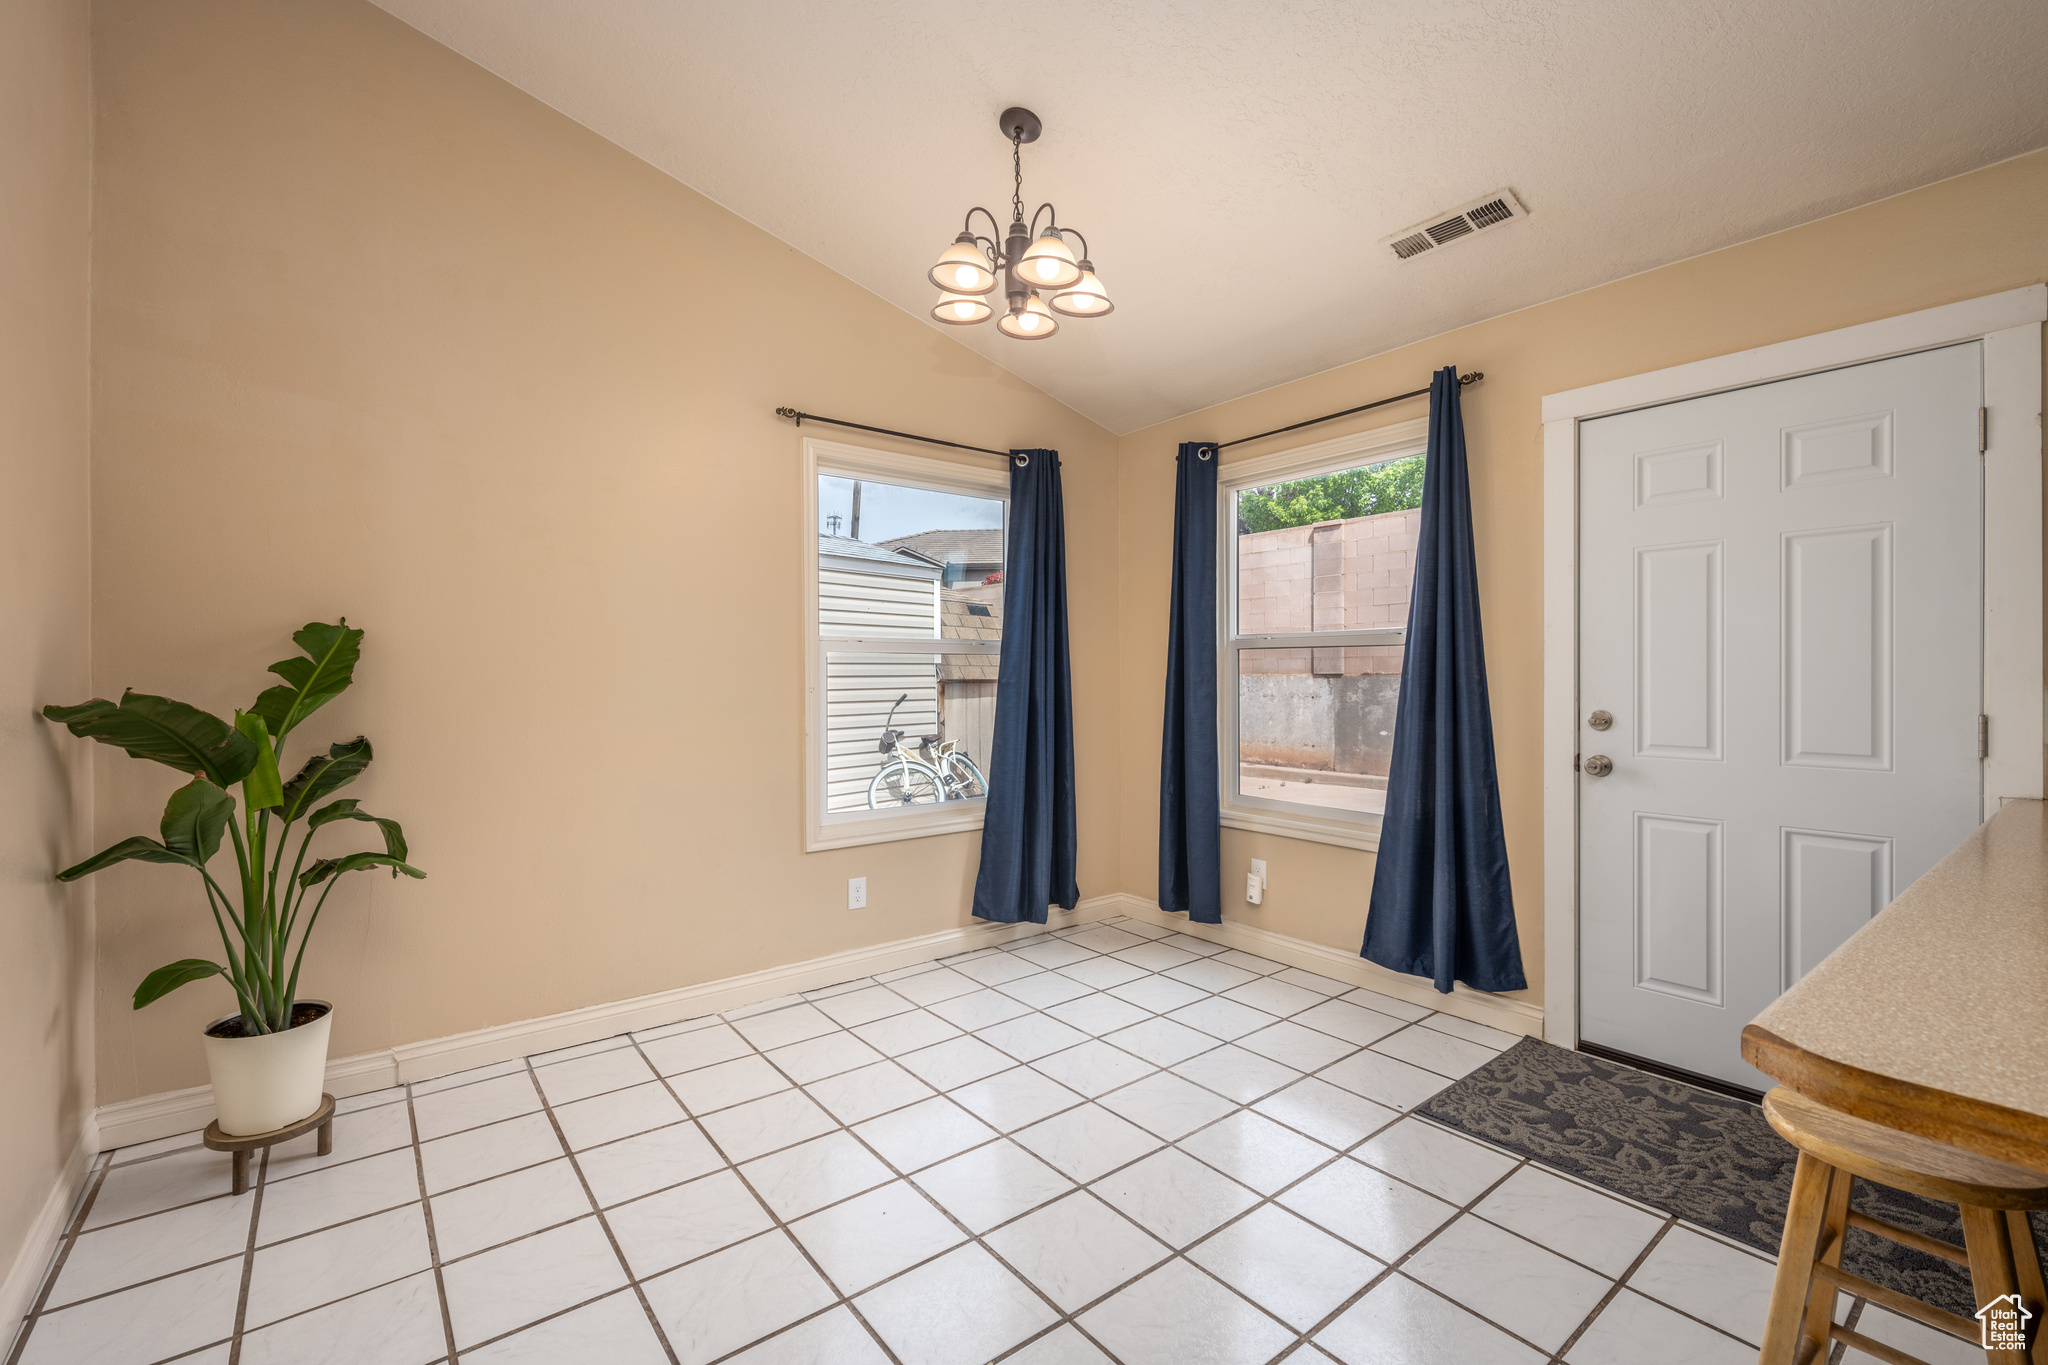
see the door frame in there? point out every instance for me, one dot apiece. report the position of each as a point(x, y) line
point(2009, 325)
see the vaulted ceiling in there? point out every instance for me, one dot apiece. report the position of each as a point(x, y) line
point(1235, 163)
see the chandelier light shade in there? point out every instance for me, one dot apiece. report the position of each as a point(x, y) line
point(1037, 269)
point(1032, 322)
point(1048, 264)
point(963, 269)
point(1085, 298)
point(961, 310)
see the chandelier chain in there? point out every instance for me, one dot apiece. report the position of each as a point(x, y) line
point(1017, 171)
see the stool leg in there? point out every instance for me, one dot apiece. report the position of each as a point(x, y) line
point(240, 1166)
point(1804, 1213)
point(1834, 1229)
point(326, 1144)
point(2026, 1261)
point(1991, 1266)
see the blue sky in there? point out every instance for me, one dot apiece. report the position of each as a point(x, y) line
point(890, 510)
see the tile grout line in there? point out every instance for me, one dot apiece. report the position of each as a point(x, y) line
point(1065, 1318)
point(597, 1212)
point(248, 1256)
point(1013, 1062)
point(1061, 1317)
point(1394, 1266)
point(777, 1223)
point(1174, 1253)
point(419, 1170)
point(1614, 1290)
point(72, 1229)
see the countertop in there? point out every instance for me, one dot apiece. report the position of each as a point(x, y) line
point(1933, 1017)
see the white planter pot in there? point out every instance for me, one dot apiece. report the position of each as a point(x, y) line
point(272, 1080)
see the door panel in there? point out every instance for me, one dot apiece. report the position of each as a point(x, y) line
point(1838, 648)
point(1678, 906)
point(1678, 657)
point(1750, 563)
point(1834, 883)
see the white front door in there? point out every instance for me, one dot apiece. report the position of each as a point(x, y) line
point(1781, 608)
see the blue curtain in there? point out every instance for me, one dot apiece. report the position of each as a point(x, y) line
point(1028, 838)
point(1441, 906)
point(1190, 855)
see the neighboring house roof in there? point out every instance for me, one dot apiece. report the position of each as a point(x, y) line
point(979, 545)
point(847, 548)
point(965, 618)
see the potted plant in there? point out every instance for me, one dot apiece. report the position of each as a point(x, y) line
point(268, 1061)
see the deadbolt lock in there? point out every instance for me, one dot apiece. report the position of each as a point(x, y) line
point(1600, 720)
point(1599, 765)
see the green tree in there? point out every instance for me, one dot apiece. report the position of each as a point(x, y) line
point(1393, 486)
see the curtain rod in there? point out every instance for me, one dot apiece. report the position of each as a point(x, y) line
point(801, 417)
point(1463, 380)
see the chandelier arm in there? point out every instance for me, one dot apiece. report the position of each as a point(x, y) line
point(1053, 221)
point(1084, 240)
point(967, 224)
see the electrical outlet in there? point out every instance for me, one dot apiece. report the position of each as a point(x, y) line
point(1259, 871)
point(856, 893)
point(1253, 892)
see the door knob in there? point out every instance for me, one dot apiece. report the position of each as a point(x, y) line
point(1599, 765)
point(1600, 720)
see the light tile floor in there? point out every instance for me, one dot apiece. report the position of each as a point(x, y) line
point(1106, 1143)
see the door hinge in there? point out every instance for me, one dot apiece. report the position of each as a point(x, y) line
point(1983, 736)
point(1983, 430)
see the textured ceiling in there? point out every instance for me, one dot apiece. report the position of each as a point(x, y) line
point(1234, 165)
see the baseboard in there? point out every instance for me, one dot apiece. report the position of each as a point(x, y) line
point(149, 1117)
point(1481, 1007)
point(32, 1260)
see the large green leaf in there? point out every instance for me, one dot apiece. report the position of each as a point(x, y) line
point(163, 731)
point(313, 681)
point(140, 847)
point(354, 862)
point(347, 809)
point(194, 819)
point(164, 980)
point(329, 772)
point(262, 788)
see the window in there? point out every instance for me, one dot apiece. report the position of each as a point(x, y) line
point(904, 617)
point(1317, 559)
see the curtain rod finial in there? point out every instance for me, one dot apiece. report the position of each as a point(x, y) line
point(788, 412)
point(1472, 378)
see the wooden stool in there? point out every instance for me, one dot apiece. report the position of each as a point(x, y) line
point(1834, 1146)
point(321, 1118)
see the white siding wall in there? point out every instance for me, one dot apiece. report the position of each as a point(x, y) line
point(859, 688)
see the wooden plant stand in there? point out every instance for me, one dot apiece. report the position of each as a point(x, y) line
point(321, 1118)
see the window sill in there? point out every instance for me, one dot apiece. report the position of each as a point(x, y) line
point(1341, 833)
point(854, 833)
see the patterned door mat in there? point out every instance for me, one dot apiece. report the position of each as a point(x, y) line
point(1712, 1160)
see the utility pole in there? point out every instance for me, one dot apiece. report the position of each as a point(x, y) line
point(832, 524)
point(854, 530)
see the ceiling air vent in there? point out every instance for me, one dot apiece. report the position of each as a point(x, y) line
point(1444, 228)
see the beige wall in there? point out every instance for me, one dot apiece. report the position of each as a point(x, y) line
point(45, 792)
point(380, 335)
point(1973, 235)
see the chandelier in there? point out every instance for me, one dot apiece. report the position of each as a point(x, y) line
point(1039, 272)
